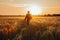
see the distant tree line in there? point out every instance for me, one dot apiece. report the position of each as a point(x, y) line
point(56, 14)
point(52, 15)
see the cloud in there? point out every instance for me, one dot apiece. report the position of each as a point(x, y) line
point(13, 4)
point(18, 5)
point(23, 3)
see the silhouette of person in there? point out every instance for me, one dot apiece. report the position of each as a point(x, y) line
point(28, 17)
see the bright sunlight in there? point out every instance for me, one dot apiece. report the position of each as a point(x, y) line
point(35, 10)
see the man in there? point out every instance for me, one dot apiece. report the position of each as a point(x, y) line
point(28, 17)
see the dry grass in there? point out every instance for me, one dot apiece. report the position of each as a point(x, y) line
point(40, 28)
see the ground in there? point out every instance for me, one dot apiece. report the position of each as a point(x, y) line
point(40, 28)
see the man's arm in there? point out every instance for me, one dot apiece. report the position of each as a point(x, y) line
point(25, 17)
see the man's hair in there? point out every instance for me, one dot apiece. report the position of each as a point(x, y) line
point(28, 11)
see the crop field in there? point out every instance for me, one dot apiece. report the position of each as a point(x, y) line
point(40, 28)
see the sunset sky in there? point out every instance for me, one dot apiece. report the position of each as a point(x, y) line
point(18, 7)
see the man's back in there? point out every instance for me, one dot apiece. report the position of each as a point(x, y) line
point(28, 16)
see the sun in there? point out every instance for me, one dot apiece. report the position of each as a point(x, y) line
point(34, 10)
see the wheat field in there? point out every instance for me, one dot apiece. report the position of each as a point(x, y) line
point(40, 28)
